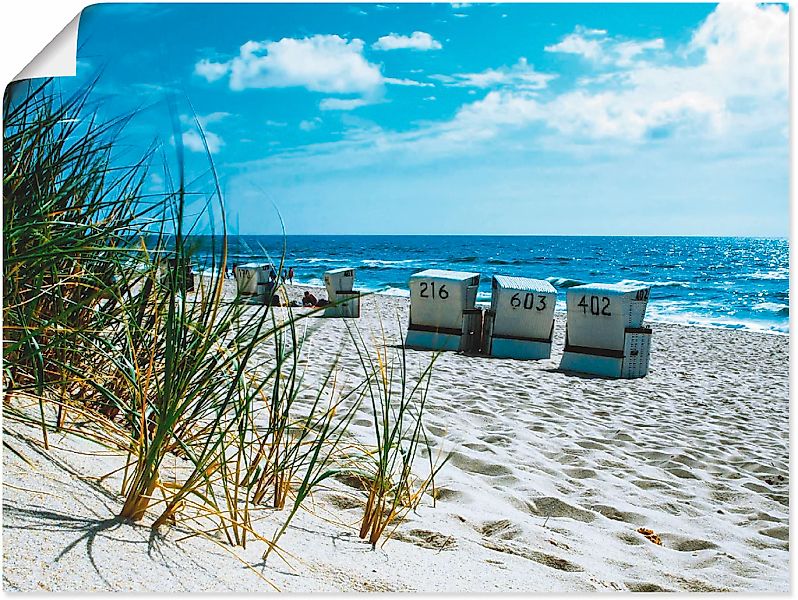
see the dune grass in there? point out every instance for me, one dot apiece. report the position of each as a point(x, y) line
point(397, 404)
point(99, 329)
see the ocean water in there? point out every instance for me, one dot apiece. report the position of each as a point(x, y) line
point(727, 282)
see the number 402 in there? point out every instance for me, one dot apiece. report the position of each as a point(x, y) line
point(598, 305)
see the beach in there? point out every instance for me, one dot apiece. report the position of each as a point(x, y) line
point(550, 476)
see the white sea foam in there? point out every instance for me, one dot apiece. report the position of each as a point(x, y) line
point(774, 307)
point(656, 283)
point(780, 274)
point(392, 291)
point(663, 312)
point(564, 282)
point(386, 263)
point(312, 260)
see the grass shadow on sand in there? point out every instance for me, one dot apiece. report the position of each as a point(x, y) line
point(51, 521)
point(90, 530)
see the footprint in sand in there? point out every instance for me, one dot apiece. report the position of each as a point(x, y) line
point(682, 473)
point(432, 540)
point(630, 538)
point(779, 533)
point(352, 481)
point(503, 530)
point(435, 430)
point(651, 484)
point(697, 585)
point(345, 502)
point(618, 515)
point(442, 493)
point(581, 473)
point(477, 447)
point(637, 586)
point(685, 544)
point(548, 506)
point(542, 558)
point(477, 466)
point(497, 440)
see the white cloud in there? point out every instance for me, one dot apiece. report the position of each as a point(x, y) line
point(210, 70)
point(214, 117)
point(193, 141)
point(746, 48)
point(321, 63)
point(155, 184)
point(594, 45)
point(341, 103)
point(577, 44)
point(629, 114)
point(271, 123)
point(407, 82)
point(521, 76)
point(735, 86)
point(418, 40)
point(725, 93)
point(310, 124)
point(627, 51)
point(191, 134)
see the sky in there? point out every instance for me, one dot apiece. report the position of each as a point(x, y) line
point(572, 119)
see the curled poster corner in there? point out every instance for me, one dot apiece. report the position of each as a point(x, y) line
point(58, 58)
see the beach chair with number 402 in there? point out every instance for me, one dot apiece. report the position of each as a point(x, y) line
point(605, 334)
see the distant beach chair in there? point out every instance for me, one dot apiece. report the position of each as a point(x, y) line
point(605, 334)
point(520, 321)
point(252, 279)
point(184, 280)
point(344, 301)
point(442, 311)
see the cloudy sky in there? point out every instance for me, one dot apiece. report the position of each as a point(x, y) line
point(462, 118)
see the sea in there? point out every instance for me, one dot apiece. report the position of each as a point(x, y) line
point(739, 283)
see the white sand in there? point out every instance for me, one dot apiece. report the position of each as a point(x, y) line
point(550, 477)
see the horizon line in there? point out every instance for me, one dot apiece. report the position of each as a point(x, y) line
point(627, 235)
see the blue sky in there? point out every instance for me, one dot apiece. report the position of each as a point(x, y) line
point(462, 118)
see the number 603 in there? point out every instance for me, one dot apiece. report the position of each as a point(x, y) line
point(528, 302)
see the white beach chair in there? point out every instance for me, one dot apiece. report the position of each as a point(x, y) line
point(605, 334)
point(520, 321)
point(251, 279)
point(439, 301)
point(344, 301)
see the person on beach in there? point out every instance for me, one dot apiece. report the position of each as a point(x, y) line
point(189, 278)
point(233, 270)
point(308, 299)
point(272, 276)
point(285, 275)
point(291, 275)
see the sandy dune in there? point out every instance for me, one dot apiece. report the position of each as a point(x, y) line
point(550, 476)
